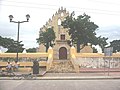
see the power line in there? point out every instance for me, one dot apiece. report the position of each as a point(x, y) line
point(104, 2)
point(66, 7)
point(98, 1)
point(95, 11)
point(27, 6)
point(101, 13)
point(30, 3)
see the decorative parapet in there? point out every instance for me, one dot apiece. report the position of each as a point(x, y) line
point(74, 59)
point(26, 55)
point(96, 55)
point(50, 58)
point(73, 50)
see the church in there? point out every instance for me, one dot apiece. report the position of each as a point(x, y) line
point(61, 49)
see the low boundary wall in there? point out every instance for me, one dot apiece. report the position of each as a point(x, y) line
point(48, 55)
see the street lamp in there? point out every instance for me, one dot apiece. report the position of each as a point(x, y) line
point(11, 17)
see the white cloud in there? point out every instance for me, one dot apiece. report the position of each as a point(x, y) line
point(2, 49)
point(112, 32)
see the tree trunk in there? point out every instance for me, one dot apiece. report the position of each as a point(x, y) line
point(78, 47)
point(50, 44)
point(47, 46)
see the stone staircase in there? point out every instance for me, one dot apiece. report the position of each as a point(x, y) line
point(61, 66)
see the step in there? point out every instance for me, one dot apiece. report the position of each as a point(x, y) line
point(61, 66)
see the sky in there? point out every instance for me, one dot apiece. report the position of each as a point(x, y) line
point(104, 13)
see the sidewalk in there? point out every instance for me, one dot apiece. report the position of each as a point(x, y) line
point(83, 76)
point(99, 70)
point(70, 76)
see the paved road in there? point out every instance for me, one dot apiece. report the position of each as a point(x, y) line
point(60, 84)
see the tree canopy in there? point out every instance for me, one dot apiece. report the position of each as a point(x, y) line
point(82, 31)
point(46, 38)
point(11, 45)
point(116, 45)
point(30, 50)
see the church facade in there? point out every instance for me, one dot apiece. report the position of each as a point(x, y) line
point(61, 48)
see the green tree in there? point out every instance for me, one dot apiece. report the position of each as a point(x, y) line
point(11, 45)
point(30, 50)
point(116, 45)
point(82, 30)
point(47, 38)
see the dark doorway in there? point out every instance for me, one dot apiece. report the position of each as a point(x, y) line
point(62, 53)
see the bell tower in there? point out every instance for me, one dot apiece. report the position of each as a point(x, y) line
point(61, 48)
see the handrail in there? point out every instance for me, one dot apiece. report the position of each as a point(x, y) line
point(31, 55)
point(97, 55)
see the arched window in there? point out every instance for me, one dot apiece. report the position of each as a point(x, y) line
point(59, 22)
point(62, 14)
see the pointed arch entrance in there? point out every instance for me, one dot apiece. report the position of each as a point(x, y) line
point(62, 53)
